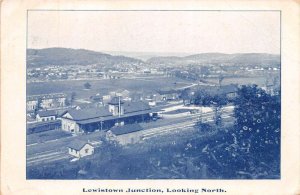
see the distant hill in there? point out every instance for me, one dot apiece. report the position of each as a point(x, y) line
point(221, 58)
point(66, 56)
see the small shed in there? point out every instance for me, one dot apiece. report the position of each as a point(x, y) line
point(127, 134)
point(79, 149)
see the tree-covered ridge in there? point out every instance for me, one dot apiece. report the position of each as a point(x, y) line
point(251, 59)
point(66, 56)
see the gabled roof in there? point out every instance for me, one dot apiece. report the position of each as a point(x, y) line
point(130, 107)
point(78, 144)
point(47, 113)
point(85, 105)
point(120, 130)
point(89, 113)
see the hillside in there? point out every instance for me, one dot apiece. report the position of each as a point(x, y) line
point(221, 58)
point(65, 56)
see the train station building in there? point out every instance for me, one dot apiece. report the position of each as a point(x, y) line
point(116, 113)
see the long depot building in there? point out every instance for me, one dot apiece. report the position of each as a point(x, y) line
point(116, 113)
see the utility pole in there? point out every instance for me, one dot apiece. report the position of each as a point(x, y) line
point(200, 115)
point(119, 111)
point(101, 123)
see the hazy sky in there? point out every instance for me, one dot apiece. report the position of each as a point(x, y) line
point(157, 31)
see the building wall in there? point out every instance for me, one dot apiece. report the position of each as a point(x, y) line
point(61, 101)
point(69, 125)
point(31, 105)
point(42, 119)
point(114, 109)
point(84, 151)
point(74, 152)
point(47, 103)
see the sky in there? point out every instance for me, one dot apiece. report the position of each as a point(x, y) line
point(157, 31)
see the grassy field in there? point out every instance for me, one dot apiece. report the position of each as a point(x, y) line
point(103, 86)
point(260, 81)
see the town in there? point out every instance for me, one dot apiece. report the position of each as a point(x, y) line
point(76, 113)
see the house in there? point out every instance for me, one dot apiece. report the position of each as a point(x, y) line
point(229, 90)
point(52, 100)
point(169, 94)
point(125, 134)
point(46, 101)
point(152, 96)
point(116, 113)
point(106, 99)
point(125, 94)
point(79, 149)
point(32, 103)
point(47, 115)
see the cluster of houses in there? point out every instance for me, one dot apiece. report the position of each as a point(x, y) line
point(118, 113)
point(45, 101)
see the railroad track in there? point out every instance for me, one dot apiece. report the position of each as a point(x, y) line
point(48, 156)
point(55, 155)
point(207, 117)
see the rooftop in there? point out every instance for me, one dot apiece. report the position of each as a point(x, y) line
point(89, 113)
point(77, 144)
point(92, 115)
point(47, 113)
point(130, 107)
point(120, 130)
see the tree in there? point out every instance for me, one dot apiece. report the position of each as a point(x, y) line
point(87, 85)
point(204, 71)
point(185, 95)
point(72, 98)
point(221, 78)
point(258, 121)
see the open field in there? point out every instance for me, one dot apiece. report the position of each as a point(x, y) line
point(103, 86)
point(260, 81)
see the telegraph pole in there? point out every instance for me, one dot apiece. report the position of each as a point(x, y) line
point(119, 107)
point(200, 115)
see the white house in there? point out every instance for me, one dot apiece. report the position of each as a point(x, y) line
point(32, 104)
point(46, 101)
point(47, 115)
point(80, 149)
